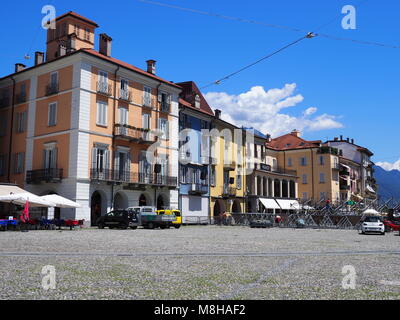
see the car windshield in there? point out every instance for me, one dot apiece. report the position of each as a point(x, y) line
point(372, 219)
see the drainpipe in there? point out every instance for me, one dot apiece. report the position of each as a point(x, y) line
point(156, 154)
point(11, 131)
point(312, 173)
point(113, 135)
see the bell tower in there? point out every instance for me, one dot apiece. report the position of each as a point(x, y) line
point(73, 32)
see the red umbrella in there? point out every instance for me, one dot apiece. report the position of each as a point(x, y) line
point(25, 213)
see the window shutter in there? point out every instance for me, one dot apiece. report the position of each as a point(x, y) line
point(54, 158)
point(107, 159)
point(116, 161)
point(94, 158)
point(128, 162)
point(159, 97)
point(167, 129)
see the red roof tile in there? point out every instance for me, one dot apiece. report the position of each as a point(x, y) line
point(290, 142)
point(129, 66)
point(78, 16)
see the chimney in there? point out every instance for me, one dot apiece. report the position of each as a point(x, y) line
point(296, 133)
point(336, 139)
point(39, 58)
point(19, 67)
point(352, 141)
point(217, 114)
point(105, 45)
point(151, 66)
point(341, 138)
point(348, 140)
point(269, 139)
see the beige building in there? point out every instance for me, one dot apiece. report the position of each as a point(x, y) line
point(317, 166)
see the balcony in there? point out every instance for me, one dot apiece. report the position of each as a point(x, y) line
point(228, 192)
point(133, 178)
point(52, 89)
point(125, 95)
point(165, 107)
point(147, 102)
point(344, 173)
point(133, 134)
point(44, 175)
point(335, 166)
point(20, 98)
point(104, 88)
point(198, 189)
point(328, 150)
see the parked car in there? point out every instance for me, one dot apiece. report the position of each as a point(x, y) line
point(372, 224)
point(150, 218)
point(391, 225)
point(122, 219)
point(261, 224)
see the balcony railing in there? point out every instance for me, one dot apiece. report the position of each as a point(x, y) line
point(125, 95)
point(228, 191)
point(198, 188)
point(20, 98)
point(147, 102)
point(138, 135)
point(128, 177)
point(44, 175)
point(344, 173)
point(104, 88)
point(165, 107)
point(51, 89)
point(344, 187)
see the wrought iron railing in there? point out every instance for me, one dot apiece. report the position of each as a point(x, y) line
point(44, 175)
point(128, 177)
point(104, 88)
point(125, 95)
point(52, 89)
point(135, 134)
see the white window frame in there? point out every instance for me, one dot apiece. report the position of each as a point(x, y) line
point(163, 126)
point(147, 96)
point(100, 117)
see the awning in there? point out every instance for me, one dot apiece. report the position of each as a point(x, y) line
point(371, 211)
point(61, 202)
point(6, 190)
point(22, 198)
point(269, 203)
point(347, 167)
point(288, 204)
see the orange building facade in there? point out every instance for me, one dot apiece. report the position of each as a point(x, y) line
point(79, 125)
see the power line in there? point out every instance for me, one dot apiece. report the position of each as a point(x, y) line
point(308, 36)
point(275, 26)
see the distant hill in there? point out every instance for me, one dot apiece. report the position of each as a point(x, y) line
point(388, 183)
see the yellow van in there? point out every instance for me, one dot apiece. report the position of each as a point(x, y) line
point(178, 216)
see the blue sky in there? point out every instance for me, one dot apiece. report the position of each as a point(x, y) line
point(355, 85)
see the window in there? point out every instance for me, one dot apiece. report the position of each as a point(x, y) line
point(322, 195)
point(147, 96)
point(50, 158)
point(163, 126)
point(239, 179)
point(304, 179)
point(146, 121)
point(87, 34)
point(2, 165)
point(165, 100)
point(77, 30)
point(322, 178)
point(213, 176)
point(123, 116)
point(102, 82)
point(124, 90)
point(101, 113)
point(290, 162)
point(20, 122)
point(305, 196)
point(183, 173)
point(321, 160)
point(255, 151)
point(52, 115)
point(53, 79)
point(19, 163)
point(100, 159)
point(303, 161)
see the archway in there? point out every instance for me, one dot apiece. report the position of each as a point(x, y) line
point(236, 208)
point(160, 203)
point(95, 208)
point(219, 208)
point(142, 201)
point(120, 201)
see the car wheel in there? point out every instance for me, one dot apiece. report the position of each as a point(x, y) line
point(134, 228)
point(124, 226)
point(100, 225)
point(177, 227)
point(150, 225)
point(383, 233)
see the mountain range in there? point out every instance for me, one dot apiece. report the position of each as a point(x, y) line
point(388, 183)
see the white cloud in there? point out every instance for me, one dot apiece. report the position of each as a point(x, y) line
point(389, 166)
point(264, 110)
